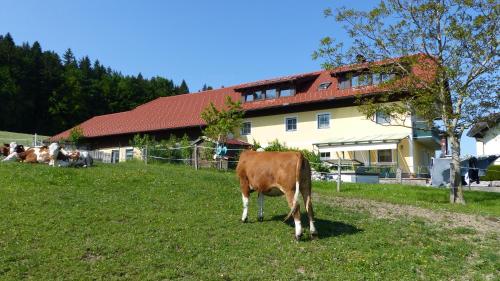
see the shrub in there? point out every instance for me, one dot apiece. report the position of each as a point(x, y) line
point(492, 174)
point(312, 157)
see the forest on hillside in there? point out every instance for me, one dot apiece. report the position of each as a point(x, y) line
point(40, 92)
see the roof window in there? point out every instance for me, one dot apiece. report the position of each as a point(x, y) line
point(324, 85)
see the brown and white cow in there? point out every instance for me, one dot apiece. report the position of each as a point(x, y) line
point(33, 155)
point(276, 174)
point(5, 149)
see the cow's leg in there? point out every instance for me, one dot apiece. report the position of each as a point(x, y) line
point(244, 216)
point(310, 212)
point(296, 215)
point(245, 194)
point(261, 207)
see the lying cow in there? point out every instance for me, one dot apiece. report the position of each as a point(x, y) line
point(13, 151)
point(5, 150)
point(276, 174)
point(62, 158)
point(30, 155)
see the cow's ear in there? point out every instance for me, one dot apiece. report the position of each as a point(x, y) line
point(6, 144)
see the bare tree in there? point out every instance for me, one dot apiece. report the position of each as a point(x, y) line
point(446, 56)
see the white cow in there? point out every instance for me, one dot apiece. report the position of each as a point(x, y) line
point(62, 158)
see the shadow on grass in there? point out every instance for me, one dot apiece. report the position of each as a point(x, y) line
point(325, 228)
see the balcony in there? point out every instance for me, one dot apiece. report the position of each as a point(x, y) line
point(426, 135)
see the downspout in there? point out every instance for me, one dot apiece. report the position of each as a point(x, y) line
point(412, 167)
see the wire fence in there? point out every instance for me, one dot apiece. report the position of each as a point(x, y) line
point(203, 156)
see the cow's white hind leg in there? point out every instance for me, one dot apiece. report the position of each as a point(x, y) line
point(261, 207)
point(244, 217)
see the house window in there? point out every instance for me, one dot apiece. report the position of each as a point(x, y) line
point(291, 124)
point(345, 82)
point(384, 77)
point(365, 79)
point(324, 121)
point(246, 128)
point(384, 156)
point(271, 94)
point(249, 97)
point(355, 81)
point(324, 156)
point(129, 154)
point(324, 85)
point(382, 118)
point(258, 95)
point(287, 92)
point(351, 80)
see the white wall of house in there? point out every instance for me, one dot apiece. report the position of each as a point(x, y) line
point(490, 143)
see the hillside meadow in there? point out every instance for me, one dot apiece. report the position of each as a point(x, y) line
point(161, 222)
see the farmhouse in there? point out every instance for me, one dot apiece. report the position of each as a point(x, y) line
point(487, 135)
point(314, 111)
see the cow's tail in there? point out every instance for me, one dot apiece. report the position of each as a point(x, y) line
point(295, 203)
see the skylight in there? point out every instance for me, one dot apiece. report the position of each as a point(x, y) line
point(324, 85)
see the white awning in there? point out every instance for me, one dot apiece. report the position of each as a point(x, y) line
point(362, 143)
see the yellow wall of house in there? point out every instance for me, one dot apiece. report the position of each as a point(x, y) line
point(123, 152)
point(344, 122)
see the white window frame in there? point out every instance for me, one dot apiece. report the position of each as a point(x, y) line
point(325, 158)
point(243, 125)
point(329, 120)
point(128, 150)
point(296, 123)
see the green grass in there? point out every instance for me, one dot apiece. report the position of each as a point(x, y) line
point(137, 222)
point(478, 202)
point(7, 137)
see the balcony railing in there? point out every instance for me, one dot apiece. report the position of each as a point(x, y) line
point(421, 130)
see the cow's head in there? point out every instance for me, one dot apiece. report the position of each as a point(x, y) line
point(54, 150)
point(19, 148)
point(12, 147)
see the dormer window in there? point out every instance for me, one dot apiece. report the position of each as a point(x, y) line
point(354, 80)
point(271, 93)
point(324, 85)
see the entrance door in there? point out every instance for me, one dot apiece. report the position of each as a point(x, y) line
point(115, 156)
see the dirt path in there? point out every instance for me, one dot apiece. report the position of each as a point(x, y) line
point(385, 210)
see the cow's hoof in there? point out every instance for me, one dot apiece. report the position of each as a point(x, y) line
point(244, 220)
point(297, 237)
point(260, 219)
point(314, 235)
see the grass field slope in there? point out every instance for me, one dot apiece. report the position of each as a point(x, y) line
point(135, 222)
point(7, 137)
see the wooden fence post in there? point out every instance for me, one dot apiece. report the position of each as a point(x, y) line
point(339, 175)
point(399, 175)
point(146, 153)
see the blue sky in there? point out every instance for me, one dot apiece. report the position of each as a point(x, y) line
point(217, 42)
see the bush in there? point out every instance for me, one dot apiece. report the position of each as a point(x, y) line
point(312, 157)
point(492, 174)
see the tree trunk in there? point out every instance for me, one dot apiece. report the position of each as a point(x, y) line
point(456, 192)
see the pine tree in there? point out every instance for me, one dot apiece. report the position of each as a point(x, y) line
point(183, 88)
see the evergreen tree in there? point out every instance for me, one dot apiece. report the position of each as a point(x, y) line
point(183, 88)
point(206, 88)
point(41, 93)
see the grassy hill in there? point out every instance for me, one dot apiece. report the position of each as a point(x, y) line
point(20, 138)
point(132, 221)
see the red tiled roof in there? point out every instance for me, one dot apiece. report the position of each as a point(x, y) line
point(184, 110)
